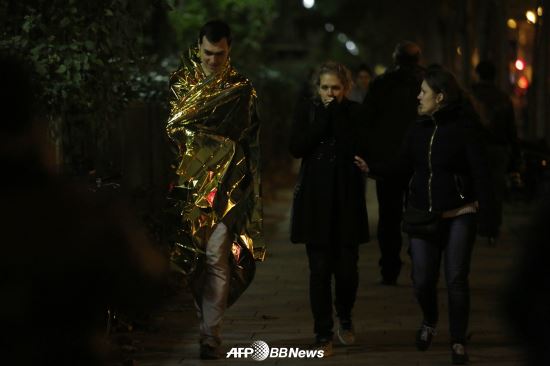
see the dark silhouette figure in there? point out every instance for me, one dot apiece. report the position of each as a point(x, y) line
point(390, 108)
point(497, 117)
point(528, 297)
point(66, 257)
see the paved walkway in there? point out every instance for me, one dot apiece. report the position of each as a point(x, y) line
point(275, 308)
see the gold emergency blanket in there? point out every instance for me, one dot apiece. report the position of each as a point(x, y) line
point(214, 123)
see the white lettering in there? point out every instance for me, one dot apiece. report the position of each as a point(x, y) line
point(274, 352)
point(238, 352)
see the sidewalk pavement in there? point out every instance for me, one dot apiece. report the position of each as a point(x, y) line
point(275, 308)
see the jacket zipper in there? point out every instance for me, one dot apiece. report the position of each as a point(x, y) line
point(458, 187)
point(430, 167)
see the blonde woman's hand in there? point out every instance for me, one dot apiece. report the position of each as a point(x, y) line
point(326, 101)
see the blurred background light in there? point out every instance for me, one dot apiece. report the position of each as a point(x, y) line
point(531, 16)
point(352, 48)
point(519, 64)
point(308, 4)
point(523, 83)
point(342, 37)
point(379, 69)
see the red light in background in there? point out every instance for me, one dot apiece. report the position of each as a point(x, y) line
point(520, 64)
point(523, 83)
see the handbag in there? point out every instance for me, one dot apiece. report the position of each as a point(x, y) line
point(420, 222)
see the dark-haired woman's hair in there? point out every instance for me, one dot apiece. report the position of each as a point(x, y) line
point(335, 68)
point(443, 81)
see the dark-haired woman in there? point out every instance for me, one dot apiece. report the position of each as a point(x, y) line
point(329, 211)
point(449, 179)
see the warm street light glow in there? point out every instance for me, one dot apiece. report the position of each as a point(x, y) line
point(459, 51)
point(531, 16)
point(539, 11)
point(520, 65)
point(523, 83)
point(308, 4)
point(329, 27)
point(512, 24)
point(379, 69)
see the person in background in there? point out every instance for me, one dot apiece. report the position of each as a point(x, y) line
point(497, 116)
point(329, 212)
point(67, 256)
point(361, 84)
point(390, 109)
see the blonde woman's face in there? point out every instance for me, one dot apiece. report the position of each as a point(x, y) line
point(330, 87)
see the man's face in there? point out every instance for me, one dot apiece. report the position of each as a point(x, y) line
point(363, 79)
point(213, 55)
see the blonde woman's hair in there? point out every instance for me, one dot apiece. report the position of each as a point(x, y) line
point(335, 68)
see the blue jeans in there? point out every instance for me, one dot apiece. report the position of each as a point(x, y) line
point(454, 242)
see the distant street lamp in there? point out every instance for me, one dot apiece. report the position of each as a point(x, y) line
point(531, 16)
point(523, 83)
point(308, 4)
point(352, 48)
point(511, 23)
point(539, 11)
point(519, 64)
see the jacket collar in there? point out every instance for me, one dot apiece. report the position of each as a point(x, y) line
point(444, 114)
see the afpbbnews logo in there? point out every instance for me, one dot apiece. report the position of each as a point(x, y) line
point(260, 351)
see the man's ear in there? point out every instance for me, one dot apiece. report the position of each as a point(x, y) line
point(439, 97)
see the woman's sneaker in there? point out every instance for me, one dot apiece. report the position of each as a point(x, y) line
point(459, 355)
point(424, 337)
point(325, 345)
point(346, 334)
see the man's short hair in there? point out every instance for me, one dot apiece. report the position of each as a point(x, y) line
point(486, 70)
point(215, 31)
point(364, 67)
point(406, 53)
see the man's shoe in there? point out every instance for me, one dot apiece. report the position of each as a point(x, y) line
point(346, 334)
point(424, 337)
point(208, 352)
point(325, 345)
point(459, 355)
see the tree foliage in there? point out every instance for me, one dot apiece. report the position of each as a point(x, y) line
point(84, 52)
point(250, 21)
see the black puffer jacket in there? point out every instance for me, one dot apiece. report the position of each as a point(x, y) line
point(447, 160)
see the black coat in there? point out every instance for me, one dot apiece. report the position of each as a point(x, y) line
point(329, 199)
point(446, 156)
point(390, 109)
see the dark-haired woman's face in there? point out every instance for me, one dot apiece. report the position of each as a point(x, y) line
point(429, 100)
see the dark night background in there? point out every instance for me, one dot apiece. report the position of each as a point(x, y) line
point(101, 72)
